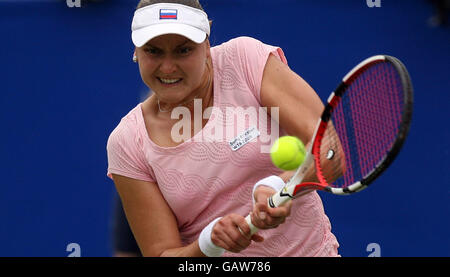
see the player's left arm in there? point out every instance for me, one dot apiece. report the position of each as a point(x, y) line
point(299, 105)
point(299, 108)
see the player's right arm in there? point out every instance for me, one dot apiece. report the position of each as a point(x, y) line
point(154, 225)
point(152, 221)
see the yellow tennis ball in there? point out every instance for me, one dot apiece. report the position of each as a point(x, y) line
point(288, 153)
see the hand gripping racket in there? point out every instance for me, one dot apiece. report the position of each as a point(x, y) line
point(359, 133)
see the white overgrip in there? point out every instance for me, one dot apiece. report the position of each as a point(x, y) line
point(253, 228)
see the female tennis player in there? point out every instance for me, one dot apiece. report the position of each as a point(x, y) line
point(189, 197)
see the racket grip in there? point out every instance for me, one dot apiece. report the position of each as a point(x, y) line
point(253, 228)
point(278, 199)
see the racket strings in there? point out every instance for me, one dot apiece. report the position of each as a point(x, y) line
point(332, 158)
point(364, 126)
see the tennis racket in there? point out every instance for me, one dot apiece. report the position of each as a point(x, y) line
point(360, 132)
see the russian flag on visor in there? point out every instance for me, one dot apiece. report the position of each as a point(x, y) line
point(168, 14)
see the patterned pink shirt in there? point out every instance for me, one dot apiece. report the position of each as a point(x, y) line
point(204, 178)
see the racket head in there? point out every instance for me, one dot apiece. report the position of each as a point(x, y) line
point(363, 126)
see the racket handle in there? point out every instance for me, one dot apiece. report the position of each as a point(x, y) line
point(253, 228)
point(278, 199)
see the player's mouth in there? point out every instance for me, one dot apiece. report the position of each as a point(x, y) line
point(169, 81)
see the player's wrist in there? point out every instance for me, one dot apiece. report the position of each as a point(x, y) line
point(205, 243)
point(274, 182)
point(287, 175)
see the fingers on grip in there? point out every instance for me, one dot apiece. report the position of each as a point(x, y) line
point(232, 233)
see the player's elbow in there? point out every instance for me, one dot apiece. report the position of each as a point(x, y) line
point(157, 250)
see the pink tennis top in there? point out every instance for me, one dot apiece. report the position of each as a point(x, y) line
point(205, 177)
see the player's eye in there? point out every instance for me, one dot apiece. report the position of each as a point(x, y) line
point(152, 50)
point(184, 50)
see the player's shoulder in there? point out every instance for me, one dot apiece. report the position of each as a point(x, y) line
point(132, 118)
point(239, 42)
point(128, 125)
point(234, 50)
point(244, 40)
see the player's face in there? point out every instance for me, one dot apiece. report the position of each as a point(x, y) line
point(174, 67)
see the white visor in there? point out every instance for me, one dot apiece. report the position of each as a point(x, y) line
point(166, 18)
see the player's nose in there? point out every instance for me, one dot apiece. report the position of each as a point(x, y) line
point(168, 66)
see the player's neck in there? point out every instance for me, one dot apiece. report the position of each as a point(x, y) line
point(204, 94)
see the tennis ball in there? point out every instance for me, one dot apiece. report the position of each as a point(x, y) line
point(287, 153)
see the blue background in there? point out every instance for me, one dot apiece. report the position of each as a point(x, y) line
point(66, 79)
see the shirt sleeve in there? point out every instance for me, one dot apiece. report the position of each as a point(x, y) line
point(252, 58)
point(125, 153)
